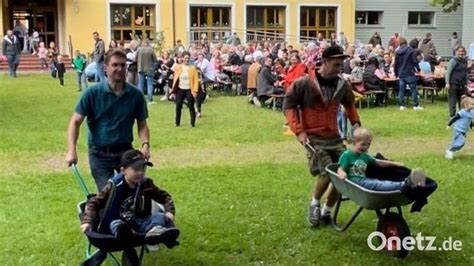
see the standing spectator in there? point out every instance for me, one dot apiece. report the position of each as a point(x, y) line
point(333, 39)
point(405, 66)
point(79, 63)
point(455, 42)
point(42, 55)
point(234, 40)
point(35, 38)
point(310, 107)
point(113, 44)
point(178, 48)
point(111, 108)
point(165, 73)
point(146, 59)
point(375, 40)
point(248, 60)
point(342, 40)
point(12, 50)
point(53, 59)
point(131, 53)
point(98, 57)
point(21, 32)
point(61, 69)
point(456, 79)
point(373, 80)
point(185, 86)
point(428, 50)
point(394, 41)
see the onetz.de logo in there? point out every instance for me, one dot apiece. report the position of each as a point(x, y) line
point(420, 242)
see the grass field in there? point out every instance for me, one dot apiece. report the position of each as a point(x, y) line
point(240, 186)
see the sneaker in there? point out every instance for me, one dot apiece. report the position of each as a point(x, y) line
point(198, 115)
point(416, 108)
point(402, 108)
point(448, 155)
point(151, 103)
point(314, 216)
point(326, 218)
point(256, 102)
point(152, 248)
point(164, 98)
point(159, 234)
point(417, 178)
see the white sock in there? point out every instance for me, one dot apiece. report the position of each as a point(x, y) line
point(314, 201)
point(326, 210)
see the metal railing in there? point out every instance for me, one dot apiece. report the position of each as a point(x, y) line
point(222, 34)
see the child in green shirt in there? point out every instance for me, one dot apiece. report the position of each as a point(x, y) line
point(354, 161)
point(79, 64)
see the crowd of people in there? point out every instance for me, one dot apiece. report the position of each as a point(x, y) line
point(317, 80)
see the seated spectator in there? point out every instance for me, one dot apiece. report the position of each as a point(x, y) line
point(296, 70)
point(252, 78)
point(204, 66)
point(266, 83)
point(234, 58)
point(387, 65)
point(357, 71)
point(373, 80)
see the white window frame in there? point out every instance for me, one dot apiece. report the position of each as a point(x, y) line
point(366, 25)
point(132, 2)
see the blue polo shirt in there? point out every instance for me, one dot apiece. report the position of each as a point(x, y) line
point(110, 117)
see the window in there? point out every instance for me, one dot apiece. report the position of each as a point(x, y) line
point(212, 23)
point(265, 23)
point(421, 18)
point(129, 20)
point(369, 18)
point(314, 20)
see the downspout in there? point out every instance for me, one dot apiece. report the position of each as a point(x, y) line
point(174, 23)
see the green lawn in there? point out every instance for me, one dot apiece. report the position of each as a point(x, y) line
point(240, 186)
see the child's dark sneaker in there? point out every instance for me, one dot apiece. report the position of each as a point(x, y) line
point(160, 234)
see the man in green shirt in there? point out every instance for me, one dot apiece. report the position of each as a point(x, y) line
point(111, 108)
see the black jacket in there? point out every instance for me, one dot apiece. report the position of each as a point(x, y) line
point(405, 62)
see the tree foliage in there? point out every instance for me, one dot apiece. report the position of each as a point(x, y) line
point(448, 5)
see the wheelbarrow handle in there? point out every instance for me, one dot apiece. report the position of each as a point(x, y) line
point(309, 147)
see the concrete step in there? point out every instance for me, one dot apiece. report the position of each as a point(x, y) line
point(29, 62)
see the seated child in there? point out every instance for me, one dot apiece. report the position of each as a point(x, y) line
point(463, 121)
point(126, 202)
point(354, 161)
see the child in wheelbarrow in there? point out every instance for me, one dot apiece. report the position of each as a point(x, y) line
point(353, 165)
point(124, 205)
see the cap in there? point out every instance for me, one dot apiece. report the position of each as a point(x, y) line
point(134, 158)
point(334, 51)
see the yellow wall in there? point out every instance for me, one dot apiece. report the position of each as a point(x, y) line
point(82, 20)
point(88, 16)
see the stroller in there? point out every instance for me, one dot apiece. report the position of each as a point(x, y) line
point(106, 244)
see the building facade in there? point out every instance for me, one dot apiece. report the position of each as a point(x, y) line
point(70, 23)
point(412, 18)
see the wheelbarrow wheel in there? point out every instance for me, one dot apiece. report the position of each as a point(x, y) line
point(393, 224)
